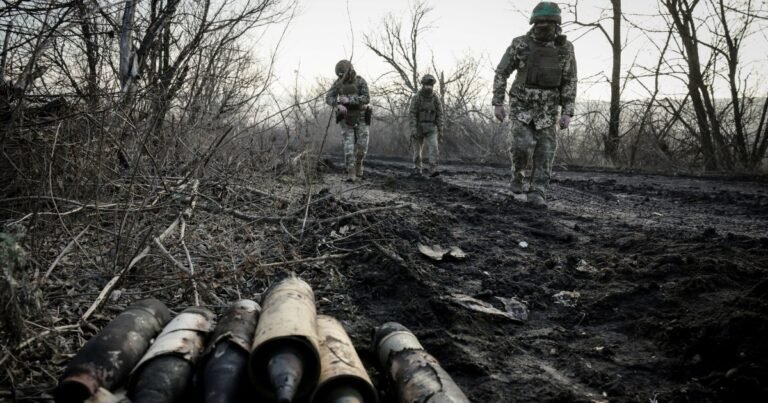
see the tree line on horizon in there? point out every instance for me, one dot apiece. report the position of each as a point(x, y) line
point(91, 90)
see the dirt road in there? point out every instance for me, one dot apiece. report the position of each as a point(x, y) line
point(666, 297)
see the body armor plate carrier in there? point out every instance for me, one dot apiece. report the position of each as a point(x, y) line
point(427, 113)
point(544, 69)
point(354, 112)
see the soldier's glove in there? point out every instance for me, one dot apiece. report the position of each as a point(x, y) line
point(341, 109)
point(500, 112)
point(343, 99)
point(565, 121)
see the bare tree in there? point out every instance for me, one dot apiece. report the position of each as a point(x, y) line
point(400, 49)
point(730, 30)
point(683, 20)
point(611, 142)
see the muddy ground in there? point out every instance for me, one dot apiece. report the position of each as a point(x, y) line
point(665, 278)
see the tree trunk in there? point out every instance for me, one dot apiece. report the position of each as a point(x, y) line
point(681, 13)
point(91, 57)
point(733, 84)
point(761, 137)
point(612, 142)
point(126, 55)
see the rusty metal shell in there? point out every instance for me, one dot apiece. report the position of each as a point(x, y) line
point(420, 378)
point(224, 377)
point(393, 337)
point(107, 359)
point(237, 325)
point(224, 366)
point(164, 379)
point(184, 336)
point(340, 365)
point(288, 319)
point(417, 376)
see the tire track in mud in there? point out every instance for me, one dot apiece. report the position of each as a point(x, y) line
point(651, 303)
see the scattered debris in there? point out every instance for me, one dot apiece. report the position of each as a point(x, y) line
point(343, 231)
point(585, 267)
point(457, 253)
point(437, 252)
point(567, 298)
point(515, 310)
point(523, 244)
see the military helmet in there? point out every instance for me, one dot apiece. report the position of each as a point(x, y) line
point(428, 79)
point(342, 67)
point(546, 11)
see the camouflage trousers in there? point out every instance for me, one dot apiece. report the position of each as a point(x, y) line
point(524, 142)
point(355, 142)
point(429, 140)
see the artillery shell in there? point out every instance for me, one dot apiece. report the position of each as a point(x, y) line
point(342, 375)
point(107, 359)
point(165, 371)
point(285, 343)
point(416, 375)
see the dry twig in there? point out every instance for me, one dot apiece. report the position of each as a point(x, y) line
point(64, 253)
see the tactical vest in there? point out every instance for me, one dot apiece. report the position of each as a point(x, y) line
point(427, 113)
point(427, 109)
point(354, 112)
point(542, 67)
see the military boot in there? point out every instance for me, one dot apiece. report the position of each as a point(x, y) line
point(517, 186)
point(536, 199)
point(359, 168)
point(351, 176)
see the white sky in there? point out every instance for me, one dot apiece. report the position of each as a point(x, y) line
point(320, 35)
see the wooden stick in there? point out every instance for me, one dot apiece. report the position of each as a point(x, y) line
point(307, 260)
point(189, 261)
point(188, 211)
point(388, 253)
point(37, 336)
point(116, 278)
point(63, 253)
point(366, 211)
point(57, 199)
point(306, 211)
point(262, 193)
point(277, 220)
point(170, 257)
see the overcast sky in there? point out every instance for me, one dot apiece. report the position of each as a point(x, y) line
point(320, 35)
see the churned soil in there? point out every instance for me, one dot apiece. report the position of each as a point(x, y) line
point(639, 288)
point(666, 281)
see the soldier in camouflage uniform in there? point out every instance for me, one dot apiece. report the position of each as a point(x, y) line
point(544, 87)
point(426, 123)
point(349, 95)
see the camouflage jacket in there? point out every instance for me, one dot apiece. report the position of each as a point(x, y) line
point(536, 105)
point(361, 99)
point(417, 102)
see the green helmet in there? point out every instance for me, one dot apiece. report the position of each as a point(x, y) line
point(342, 67)
point(428, 79)
point(546, 11)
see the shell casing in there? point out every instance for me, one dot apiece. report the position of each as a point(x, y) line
point(343, 377)
point(287, 325)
